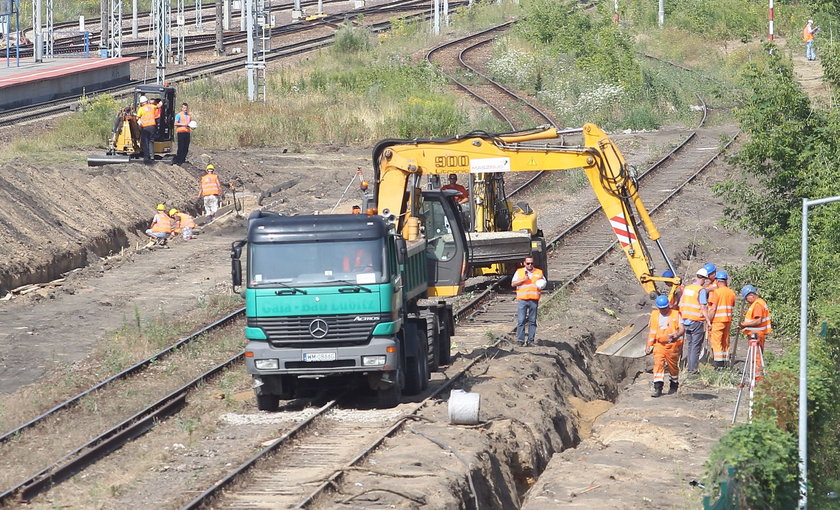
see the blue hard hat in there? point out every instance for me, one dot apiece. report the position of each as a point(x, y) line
point(710, 268)
point(746, 290)
point(667, 273)
point(662, 301)
point(721, 275)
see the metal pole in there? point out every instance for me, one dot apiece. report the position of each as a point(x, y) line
point(250, 66)
point(803, 353)
point(134, 19)
point(661, 13)
point(771, 21)
point(38, 48)
point(803, 364)
point(436, 17)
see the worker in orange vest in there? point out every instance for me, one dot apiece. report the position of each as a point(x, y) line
point(184, 224)
point(719, 314)
point(675, 299)
point(183, 128)
point(756, 325)
point(808, 36)
point(693, 311)
point(210, 190)
point(529, 282)
point(161, 227)
point(147, 116)
point(665, 342)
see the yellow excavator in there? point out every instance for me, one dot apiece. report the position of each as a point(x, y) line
point(124, 143)
point(397, 192)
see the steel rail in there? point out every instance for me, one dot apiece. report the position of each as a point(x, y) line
point(109, 441)
point(232, 64)
point(124, 374)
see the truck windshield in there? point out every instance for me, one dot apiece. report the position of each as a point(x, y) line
point(321, 263)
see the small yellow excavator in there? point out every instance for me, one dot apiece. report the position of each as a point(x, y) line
point(124, 144)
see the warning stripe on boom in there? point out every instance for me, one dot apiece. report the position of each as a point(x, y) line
point(622, 230)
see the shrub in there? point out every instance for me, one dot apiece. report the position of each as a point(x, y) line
point(765, 461)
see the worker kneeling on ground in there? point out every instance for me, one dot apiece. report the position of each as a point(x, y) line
point(161, 227)
point(665, 342)
point(184, 224)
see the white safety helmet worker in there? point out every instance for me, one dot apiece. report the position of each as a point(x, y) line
point(702, 273)
point(144, 99)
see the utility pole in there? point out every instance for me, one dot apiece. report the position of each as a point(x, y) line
point(198, 10)
point(250, 65)
point(181, 22)
point(115, 21)
point(134, 19)
point(160, 26)
point(38, 43)
point(661, 13)
point(104, 14)
point(49, 39)
point(219, 49)
point(436, 17)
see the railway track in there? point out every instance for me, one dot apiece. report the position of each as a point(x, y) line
point(328, 461)
point(288, 41)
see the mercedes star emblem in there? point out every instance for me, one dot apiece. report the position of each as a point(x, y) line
point(318, 328)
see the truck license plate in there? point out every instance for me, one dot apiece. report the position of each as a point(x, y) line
point(319, 356)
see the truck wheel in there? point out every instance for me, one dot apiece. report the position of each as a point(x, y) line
point(417, 371)
point(445, 345)
point(268, 403)
point(433, 336)
point(389, 397)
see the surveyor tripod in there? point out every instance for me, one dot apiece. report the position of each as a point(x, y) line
point(753, 367)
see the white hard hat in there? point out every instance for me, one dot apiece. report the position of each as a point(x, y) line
point(193, 124)
point(541, 283)
point(810, 21)
point(702, 272)
point(144, 99)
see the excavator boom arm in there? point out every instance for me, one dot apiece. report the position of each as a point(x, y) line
point(605, 167)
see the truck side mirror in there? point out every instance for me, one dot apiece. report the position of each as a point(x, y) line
point(401, 250)
point(235, 263)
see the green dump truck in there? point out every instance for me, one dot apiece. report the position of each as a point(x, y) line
point(331, 297)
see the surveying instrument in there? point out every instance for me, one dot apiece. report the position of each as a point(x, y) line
point(754, 362)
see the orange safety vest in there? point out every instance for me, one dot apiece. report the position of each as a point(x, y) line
point(146, 115)
point(675, 300)
point(162, 223)
point(658, 334)
point(690, 307)
point(184, 128)
point(185, 220)
point(724, 298)
point(210, 185)
point(528, 290)
point(807, 35)
point(758, 310)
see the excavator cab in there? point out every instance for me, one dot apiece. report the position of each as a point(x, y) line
point(446, 242)
point(124, 144)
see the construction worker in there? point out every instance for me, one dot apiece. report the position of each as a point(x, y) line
point(183, 121)
point(184, 224)
point(463, 195)
point(693, 311)
point(147, 116)
point(356, 210)
point(210, 189)
point(719, 314)
point(712, 270)
point(677, 294)
point(756, 324)
point(808, 36)
point(665, 342)
point(161, 227)
point(529, 281)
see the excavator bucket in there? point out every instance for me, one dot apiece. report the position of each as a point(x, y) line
point(630, 342)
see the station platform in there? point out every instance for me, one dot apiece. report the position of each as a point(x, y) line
point(33, 82)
